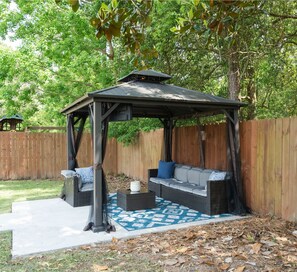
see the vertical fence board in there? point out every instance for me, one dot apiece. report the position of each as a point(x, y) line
point(259, 171)
point(289, 211)
point(293, 171)
point(278, 167)
point(269, 172)
point(253, 162)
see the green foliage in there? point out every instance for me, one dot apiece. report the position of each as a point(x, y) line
point(127, 132)
point(60, 58)
point(119, 19)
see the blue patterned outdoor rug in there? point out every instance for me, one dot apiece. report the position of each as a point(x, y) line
point(166, 213)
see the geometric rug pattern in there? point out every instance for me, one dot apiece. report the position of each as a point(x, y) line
point(166, 213)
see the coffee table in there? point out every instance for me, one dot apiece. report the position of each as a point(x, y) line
point(131, 201)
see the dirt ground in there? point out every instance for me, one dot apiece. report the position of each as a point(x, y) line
point(252, 244)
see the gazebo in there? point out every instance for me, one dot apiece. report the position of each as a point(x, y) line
point(9, 123)
point(144, 94)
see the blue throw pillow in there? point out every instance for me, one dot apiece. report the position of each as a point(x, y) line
point(86, 174)
point(165, 169)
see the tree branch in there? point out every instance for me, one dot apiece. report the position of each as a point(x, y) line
point(282, 16)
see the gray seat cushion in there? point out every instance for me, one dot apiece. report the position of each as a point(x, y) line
point(162, 181)
point(166, 182)
point(86, 187)
point(199, 192)
point(156, 180)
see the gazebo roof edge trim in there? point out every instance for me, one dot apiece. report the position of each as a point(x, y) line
point(167, 101)
point(76, 102)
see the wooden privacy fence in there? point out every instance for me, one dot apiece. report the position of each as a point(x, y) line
point(25, 155)
point(268, 153)
point(269, 166)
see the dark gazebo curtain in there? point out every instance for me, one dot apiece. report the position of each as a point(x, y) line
point(236, 203)
point(168, 127)
point(201, 141)
point(106, 219)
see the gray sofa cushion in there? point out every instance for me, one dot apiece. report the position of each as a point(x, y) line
point(166, 182)
point(156, 180)
point(181, 172)
point(194, 175)
point(162, 181)
point(204, 175)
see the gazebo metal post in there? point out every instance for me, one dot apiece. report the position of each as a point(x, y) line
point(97, 154)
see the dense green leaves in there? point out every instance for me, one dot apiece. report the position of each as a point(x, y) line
point(127, 132)
point(66, 47)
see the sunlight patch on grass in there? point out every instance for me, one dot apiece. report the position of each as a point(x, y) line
point(22, 190)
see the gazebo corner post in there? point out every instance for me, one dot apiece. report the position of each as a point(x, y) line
point(97, 157)
point(234, 150)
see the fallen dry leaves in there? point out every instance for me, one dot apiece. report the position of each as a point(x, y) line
point(252, 244)
point(97, 268)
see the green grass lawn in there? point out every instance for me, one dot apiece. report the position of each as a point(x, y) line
point(22, 190)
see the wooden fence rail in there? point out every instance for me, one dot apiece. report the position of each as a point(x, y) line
point(268, 153)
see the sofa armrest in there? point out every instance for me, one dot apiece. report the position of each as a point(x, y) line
point(152, 173)
point(216, 187)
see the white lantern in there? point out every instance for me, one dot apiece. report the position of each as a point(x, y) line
point(135, 186)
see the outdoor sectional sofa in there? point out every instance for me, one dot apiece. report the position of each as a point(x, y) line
point(204, 190)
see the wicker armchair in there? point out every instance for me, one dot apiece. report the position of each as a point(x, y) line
point(75, 196)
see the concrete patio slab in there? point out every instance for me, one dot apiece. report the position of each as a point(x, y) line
point(46, 225)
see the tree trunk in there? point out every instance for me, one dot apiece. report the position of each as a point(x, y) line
point(233, 73)
point(251, 94)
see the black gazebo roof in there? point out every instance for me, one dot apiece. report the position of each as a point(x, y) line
point(150, 97)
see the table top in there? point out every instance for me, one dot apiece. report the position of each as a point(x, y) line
point(129, 192)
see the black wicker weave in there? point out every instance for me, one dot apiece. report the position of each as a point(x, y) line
point(73, 196)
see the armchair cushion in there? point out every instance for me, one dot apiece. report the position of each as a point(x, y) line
point(86, 174)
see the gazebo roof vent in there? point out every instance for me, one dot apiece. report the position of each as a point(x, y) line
point(145, 75)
